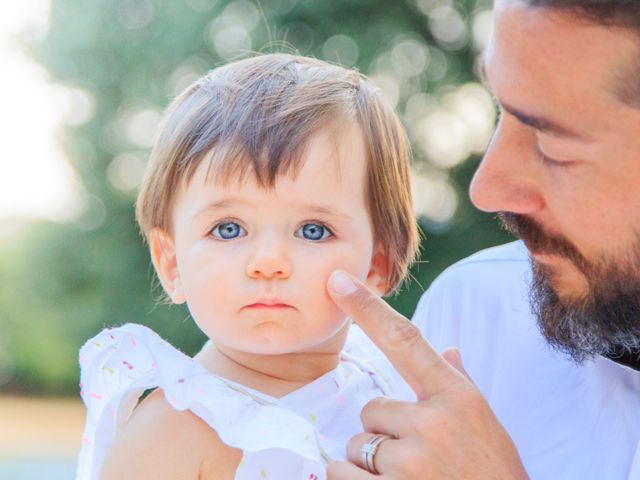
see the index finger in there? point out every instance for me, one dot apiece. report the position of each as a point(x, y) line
point(400, 340)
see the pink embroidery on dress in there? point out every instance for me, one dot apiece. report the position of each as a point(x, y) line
point(341, 400)
point(134, 344)
point(181, 380)
point(86, 440)
point(127, 364)
point(313, 476)
point(95, 395)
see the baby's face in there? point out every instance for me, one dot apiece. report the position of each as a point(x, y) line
point(252, 264)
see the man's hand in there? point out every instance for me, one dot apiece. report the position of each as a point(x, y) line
point(449, 433)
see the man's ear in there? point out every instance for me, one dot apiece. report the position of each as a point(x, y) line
point(163, 256)
point(378, 276)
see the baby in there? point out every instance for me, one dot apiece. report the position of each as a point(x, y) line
point(268, 174)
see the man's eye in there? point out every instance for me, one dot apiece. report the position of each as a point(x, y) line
point(228, 231)
point(314, 231)
point(550, 161)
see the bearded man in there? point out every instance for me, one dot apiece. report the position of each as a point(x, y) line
point(548, 328)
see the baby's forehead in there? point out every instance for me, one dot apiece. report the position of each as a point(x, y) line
point(328, 152)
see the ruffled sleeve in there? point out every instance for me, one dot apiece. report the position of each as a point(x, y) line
point(119, 364)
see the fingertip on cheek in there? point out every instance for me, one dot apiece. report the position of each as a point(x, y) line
point(341, 283)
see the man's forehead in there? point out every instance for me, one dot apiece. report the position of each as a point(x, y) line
point(563, 39)
point(539, 59)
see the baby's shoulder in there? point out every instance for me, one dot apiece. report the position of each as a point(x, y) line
point(160, 442)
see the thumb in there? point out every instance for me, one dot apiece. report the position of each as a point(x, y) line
point(453, 358)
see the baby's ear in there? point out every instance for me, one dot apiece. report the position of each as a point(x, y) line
point(163, 256)
point(378, 276)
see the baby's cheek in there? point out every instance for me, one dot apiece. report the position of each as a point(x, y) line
point(354, 261)
point(210, 301)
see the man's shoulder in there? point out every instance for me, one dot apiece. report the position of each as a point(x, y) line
point(487, 291)
point(509, 254)
point(497, 269)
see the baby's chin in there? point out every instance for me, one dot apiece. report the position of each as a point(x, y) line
point(274, 338)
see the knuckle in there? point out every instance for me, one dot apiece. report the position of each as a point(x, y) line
point(468, 401)
point(404, 335)
point(371, 407)
point(477, 409)
point(474, 398)
point(365, 301)
point(376, 403)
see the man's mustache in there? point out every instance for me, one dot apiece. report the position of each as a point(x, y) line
point(540, 242)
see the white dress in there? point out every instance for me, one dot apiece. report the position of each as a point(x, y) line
point(289, 438)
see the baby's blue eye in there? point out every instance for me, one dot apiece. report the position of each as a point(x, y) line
point(228, 231)
point(314, 231)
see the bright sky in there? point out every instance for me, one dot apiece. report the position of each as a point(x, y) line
point(35, 180)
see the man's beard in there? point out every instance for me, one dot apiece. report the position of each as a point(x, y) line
point(605, 319)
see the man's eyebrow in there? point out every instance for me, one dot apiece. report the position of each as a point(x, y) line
point(541, 124)
point(545, 125)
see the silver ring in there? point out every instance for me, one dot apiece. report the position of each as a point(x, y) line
point(369, 450)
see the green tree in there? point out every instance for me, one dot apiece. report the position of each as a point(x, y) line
point(126, 59)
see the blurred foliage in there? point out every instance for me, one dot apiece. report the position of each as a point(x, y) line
point(126, 59)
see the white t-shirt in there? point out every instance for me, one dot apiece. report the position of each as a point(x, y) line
point(568, 421)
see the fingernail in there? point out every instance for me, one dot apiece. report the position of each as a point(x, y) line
point(341, 283)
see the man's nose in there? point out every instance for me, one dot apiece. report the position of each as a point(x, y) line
point(270, 259)
point(508, 177)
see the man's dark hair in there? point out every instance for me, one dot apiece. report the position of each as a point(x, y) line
point(623, 13)
point(614, 13)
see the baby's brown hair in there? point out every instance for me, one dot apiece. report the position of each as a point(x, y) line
point(256, 116)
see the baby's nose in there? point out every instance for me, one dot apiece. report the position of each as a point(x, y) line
point(271, 261)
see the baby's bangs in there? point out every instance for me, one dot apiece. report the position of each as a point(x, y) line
point(266, 152)
point(231, 163)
